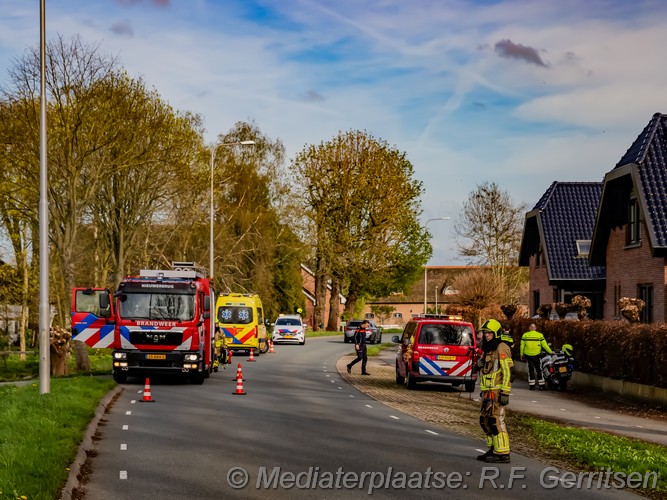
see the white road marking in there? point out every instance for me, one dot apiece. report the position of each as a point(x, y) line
point(597, 417)
point(128, 412)
point(139, 391)
point(123, 446)
point(369, 406)
point(533, 401)
point(340, 388)
point(327, 375)
point(481, 451)
point(431, 432)
point(394, 417)
point(563, 409)
point(639, 426)
point(126, 427)
point(123, 474)
point(133, 401)
point(351, 395)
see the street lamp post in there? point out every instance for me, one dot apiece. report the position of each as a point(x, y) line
point(426, 267)
point(214, 148)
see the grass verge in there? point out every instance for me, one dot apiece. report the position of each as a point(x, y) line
point(12, 368)
point(589, 450)
point(556, 444)
point(40, 434)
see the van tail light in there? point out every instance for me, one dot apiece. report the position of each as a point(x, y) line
point(415, 356)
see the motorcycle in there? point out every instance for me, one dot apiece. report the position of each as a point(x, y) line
point(557, 370)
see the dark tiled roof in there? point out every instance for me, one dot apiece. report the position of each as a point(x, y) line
point(567, 211)
point(649, 153)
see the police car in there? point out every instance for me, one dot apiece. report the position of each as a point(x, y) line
point(289, 329)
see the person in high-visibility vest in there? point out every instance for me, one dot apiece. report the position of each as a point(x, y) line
point(495, 384)
point(532, 344)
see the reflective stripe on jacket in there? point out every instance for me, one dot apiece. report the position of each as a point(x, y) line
point(532, 343)
point(495, 375)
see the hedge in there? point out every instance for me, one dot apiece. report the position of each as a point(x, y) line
point(635, 352)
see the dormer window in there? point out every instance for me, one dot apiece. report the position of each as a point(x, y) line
point(583, 248)
point(632, 232)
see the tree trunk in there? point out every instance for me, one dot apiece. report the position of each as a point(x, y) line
point(60, 347)
point(320, 296)
point(82, 358)
point(334, 307)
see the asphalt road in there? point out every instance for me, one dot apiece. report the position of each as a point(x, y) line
point(300, 432)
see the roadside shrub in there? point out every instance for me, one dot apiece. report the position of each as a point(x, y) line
point(614, 349)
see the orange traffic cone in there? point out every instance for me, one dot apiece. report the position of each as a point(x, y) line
point(147, 392)
point(271, 349)
point(252, 355)
point(239, 385)
point(239, 373)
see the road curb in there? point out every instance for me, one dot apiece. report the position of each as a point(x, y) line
point(73, 482)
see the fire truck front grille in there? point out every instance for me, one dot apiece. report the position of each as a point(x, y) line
point(156, 337)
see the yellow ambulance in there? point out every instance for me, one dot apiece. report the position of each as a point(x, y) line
point(240, 318)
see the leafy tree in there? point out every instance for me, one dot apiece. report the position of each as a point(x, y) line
point(491, 227)
point(383, 312)
point(362, 204)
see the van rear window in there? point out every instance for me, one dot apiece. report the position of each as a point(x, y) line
point(235, 315)
point(442, 334)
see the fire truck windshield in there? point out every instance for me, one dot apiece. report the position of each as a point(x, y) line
point(158, 306)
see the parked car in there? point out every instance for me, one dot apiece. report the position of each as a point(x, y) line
point(437, 348)
point(289, 328)
point(373, 332)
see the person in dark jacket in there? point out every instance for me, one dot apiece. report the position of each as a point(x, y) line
point(360, 348)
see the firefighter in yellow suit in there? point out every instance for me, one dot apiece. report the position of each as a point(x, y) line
point(495, 384)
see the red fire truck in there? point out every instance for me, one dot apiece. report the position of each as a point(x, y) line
point(157, 322)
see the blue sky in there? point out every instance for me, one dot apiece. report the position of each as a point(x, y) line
point(520, 93)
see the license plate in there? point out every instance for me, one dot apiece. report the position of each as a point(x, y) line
point(156, 356)
point(442, 357)
point(563, 369)
point(288, 336)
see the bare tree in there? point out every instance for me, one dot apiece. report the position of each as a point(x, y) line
point(491, 226)
point(477, 289)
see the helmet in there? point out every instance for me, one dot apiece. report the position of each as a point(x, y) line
point(567, 349)
point(491, 325)
point(507, 337)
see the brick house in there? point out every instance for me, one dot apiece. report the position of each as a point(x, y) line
point(605, 240)
point(556, 239)
point(438, 289)
point(630, 236)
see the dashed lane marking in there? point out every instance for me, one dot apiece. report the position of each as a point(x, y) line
point(368, 406)
point(126, 427)
point(123, 446)
point(432, 432)
point(394, 417)
point(123, 474)
point(128, 412)
point(133, 401)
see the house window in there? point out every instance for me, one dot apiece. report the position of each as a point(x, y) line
point(583, 248)
point(369, 316)
point(632, 234)
point(645, 293)
point(539, 259)
point(397, 315)
point(536, 301)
